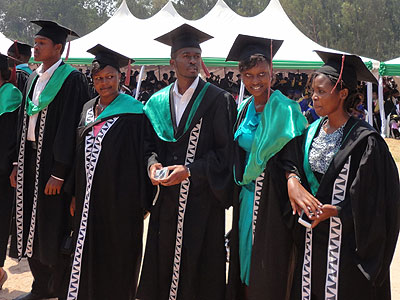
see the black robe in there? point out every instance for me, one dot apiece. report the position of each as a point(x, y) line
point(369, 216)
point(112, 249)
point(57, 157)
point(8, 128)
point(272, 258)
point(22, 78)
point(202, 265)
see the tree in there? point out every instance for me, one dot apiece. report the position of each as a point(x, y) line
point(365, 27)
point(79, 15)
point(247, 8)
point(194, 9)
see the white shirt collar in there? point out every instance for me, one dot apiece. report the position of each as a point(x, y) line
point(49, 72)
point(193, 86)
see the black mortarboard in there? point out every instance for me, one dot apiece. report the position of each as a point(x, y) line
point(11, 61)
point(20, 48)
point(56, 32)
point(185, 36)
point(108, 57)
point(353, 68)
point(245, 46)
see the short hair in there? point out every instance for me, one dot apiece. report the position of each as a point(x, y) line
point(252, 61)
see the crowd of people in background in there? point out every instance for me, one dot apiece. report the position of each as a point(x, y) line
point(295, 86)
point(85, 163)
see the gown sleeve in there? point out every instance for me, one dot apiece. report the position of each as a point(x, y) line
point(375, 204)
point(215, 166)
point(74, 94)
point(290, 158)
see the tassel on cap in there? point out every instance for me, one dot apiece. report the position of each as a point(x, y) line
point(271, 70)
point(203, 65)
point(16, 48)
point(13, 77)
point(340, 75)
point(68, 50)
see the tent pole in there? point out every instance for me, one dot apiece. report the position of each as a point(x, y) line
point(241, 93)
point(382, 107)
point(139, 83)
point(369, 103)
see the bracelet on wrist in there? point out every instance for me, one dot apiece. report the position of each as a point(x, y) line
point(188, 170)
point(294, 176)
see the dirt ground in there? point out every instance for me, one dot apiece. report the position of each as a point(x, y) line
point(20, 279)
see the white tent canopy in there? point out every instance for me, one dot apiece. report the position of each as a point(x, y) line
point(395, 61)
point(390, 67)
point(5, 43)
point(221, 22)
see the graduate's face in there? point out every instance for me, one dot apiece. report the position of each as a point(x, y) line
point(186, 62)
point(257, 79)
point(45, 49)
point(106, 82)
point(327, 103)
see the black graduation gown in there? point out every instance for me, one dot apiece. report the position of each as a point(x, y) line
point(369, 215)
point(202, 268)
point(57, 157)
point(272, 259)
point(22, 78)
point(8, 128)
point(113, 245)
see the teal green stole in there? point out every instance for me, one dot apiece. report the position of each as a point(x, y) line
point(50, 91)
point(310, 133)
point(24, 67)
point(157, 109)
point(10, 98)
point(122, 104)
point(281, 121)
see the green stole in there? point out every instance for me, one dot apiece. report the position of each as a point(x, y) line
point(10, 98)
point(157, 109)
point(122, 104)
point(310, 133)
point(52, 88)
point(280, 121)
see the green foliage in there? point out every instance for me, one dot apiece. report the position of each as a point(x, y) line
point(82, 16)
point(194, 9)
point(365, 27)
point(247, 8)
point(144, 9)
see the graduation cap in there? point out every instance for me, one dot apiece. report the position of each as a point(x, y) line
point(185, 36)
point(245, 46)
point(347, 67)
point(11, 61)
point(19, 48)
point(107, 57)
point(54, 31)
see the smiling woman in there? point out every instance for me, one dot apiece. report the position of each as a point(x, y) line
point(267, 121)
point(106, 82)
point(256, 76)
point(108, 187)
